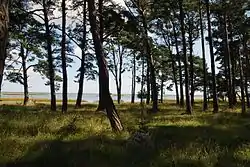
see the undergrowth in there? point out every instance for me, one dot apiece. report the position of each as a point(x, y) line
point(33, 136)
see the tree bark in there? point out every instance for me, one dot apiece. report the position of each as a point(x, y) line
point(50, 58)
point(117, 72)
point(142, 78)
point(148, 86)
point(215, 97)
point(243, 104)
point(82, 68)
point(133, 80)
point(247, 65)
point(205, 105)
point(64, 63)
point(229, 63)
point(190, 41)
point(180, 68)
point(101, 31)
point(120, 73)
point(233, 61)
point(234, 98)
point(4, 25)
point(103, 72)
point(150, 62)
point(25, 76)
point(188, 103)
point(173, 69)
point(162, 90)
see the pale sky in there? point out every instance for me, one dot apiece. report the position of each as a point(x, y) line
point(36, 83)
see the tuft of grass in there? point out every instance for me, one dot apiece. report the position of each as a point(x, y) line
point(33, 136)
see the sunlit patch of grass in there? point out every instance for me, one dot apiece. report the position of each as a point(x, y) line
point(243, 152)
point(32, 135)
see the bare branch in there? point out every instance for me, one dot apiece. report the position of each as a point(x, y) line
point(33, 65)
point(71, 38)
point(73, 55)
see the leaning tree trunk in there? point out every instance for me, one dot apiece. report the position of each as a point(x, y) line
point(25, 76)
point(188, 103)
point(82, 68)
point(4, 24)
point(205, 105)
point(180, 68)
point(103, 72)
point(64, 63)
point(50, 58)
point(215, 97)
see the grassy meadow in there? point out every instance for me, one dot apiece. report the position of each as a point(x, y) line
point(32, 136)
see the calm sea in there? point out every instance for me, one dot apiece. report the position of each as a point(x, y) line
point(90, 97)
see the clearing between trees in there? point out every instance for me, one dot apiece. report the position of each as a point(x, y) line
point(33, 136)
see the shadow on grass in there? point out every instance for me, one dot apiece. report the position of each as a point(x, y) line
point(170, 146)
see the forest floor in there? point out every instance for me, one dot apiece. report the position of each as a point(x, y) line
point(32, 136)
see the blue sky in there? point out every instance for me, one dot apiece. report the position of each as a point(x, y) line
point(36, 83)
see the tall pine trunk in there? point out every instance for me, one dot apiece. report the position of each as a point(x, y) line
point(215, 97)
point(175, 79)
point(234, 98)
point(4, 24)
point(120, 78)
point(119, 95)
point(25, 76)
point(162, 89)
point(205, 105)
point(180, 68)
point(50, 58)
point(229, 64)
point(246, 69)
point(242, 88)
point(103, 72)
point(101, 105)
point(64, 63)
point(190, 41)
point(133, 79)
point(188, 103)
point(233, 61)
point(117, 73)
point(142, 78)
point(167, 42)
point(82, 68)
point(150, 62)
point(148, 86)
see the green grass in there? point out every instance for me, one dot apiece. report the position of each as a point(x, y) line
point(32, 136)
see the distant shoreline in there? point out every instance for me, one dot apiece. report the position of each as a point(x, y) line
point(88, 97)
point(59, 93)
